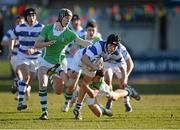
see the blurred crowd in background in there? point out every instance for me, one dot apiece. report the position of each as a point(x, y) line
point(121, 12)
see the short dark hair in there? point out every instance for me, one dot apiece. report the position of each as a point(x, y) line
point(91, 23)
point(113, 39)
point(75, 17)
point(28, 12)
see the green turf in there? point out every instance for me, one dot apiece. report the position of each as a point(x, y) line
point(152, 112)
point(5, 70)
point(158, 109)
point(164, 88)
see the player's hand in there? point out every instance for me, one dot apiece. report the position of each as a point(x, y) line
point(49, 43)
point(31, 51)
point(124, 85)
point(98, 64)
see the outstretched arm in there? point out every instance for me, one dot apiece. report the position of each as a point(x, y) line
point(82, 42)
point(41, 44)
point(130, 65)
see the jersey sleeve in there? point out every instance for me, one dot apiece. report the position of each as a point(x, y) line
point(8, 35)
point(124, 52)
point(16, 32)
point(44, 32)
point(72, 35)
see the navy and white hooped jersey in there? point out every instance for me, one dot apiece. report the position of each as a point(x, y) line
point(8, 36)
point(27, 36)
point(98, 50)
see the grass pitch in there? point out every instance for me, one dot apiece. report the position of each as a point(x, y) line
point(158, 109)
point(152, 112)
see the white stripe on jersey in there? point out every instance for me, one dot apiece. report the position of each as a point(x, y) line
point(27, 36)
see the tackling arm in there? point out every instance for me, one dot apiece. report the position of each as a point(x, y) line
point(86, 60)
point(82, 42)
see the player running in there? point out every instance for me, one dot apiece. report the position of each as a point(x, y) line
point(54, 38)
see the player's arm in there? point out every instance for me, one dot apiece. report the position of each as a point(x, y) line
point(10, 44)
point(5, 43)
point(8, 41)
point(86, 60)
point(91, 53)
point(11, 47)
point(91, 92)
point(130, 65)
point(73, 50)
point(128, 59)
point(7, 38)
point(124, 77)
point(82, 42)
point(40, 43)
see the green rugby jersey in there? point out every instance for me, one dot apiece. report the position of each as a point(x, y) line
point(94, 40)
point(97, 85)
point(54, 54)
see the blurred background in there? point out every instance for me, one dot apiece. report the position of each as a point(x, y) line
point(150, 29)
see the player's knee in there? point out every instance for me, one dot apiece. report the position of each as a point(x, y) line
point(98, 113)
point(92, 95)
point(26, 79)
point(70, 89)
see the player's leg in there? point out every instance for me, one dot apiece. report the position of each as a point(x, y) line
point(22, 84)
point(99, 110)
point(14, 87)
point(126, 99)
point(78, 105)
point(74, 71)
point(96, 108)
point(108, 80)
point(82, 94)
point(74, 97)
point(57, 84)
point(28, 89)
point(57, 77)
point(43, 83)
point(14, 64)
point(70, 88)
